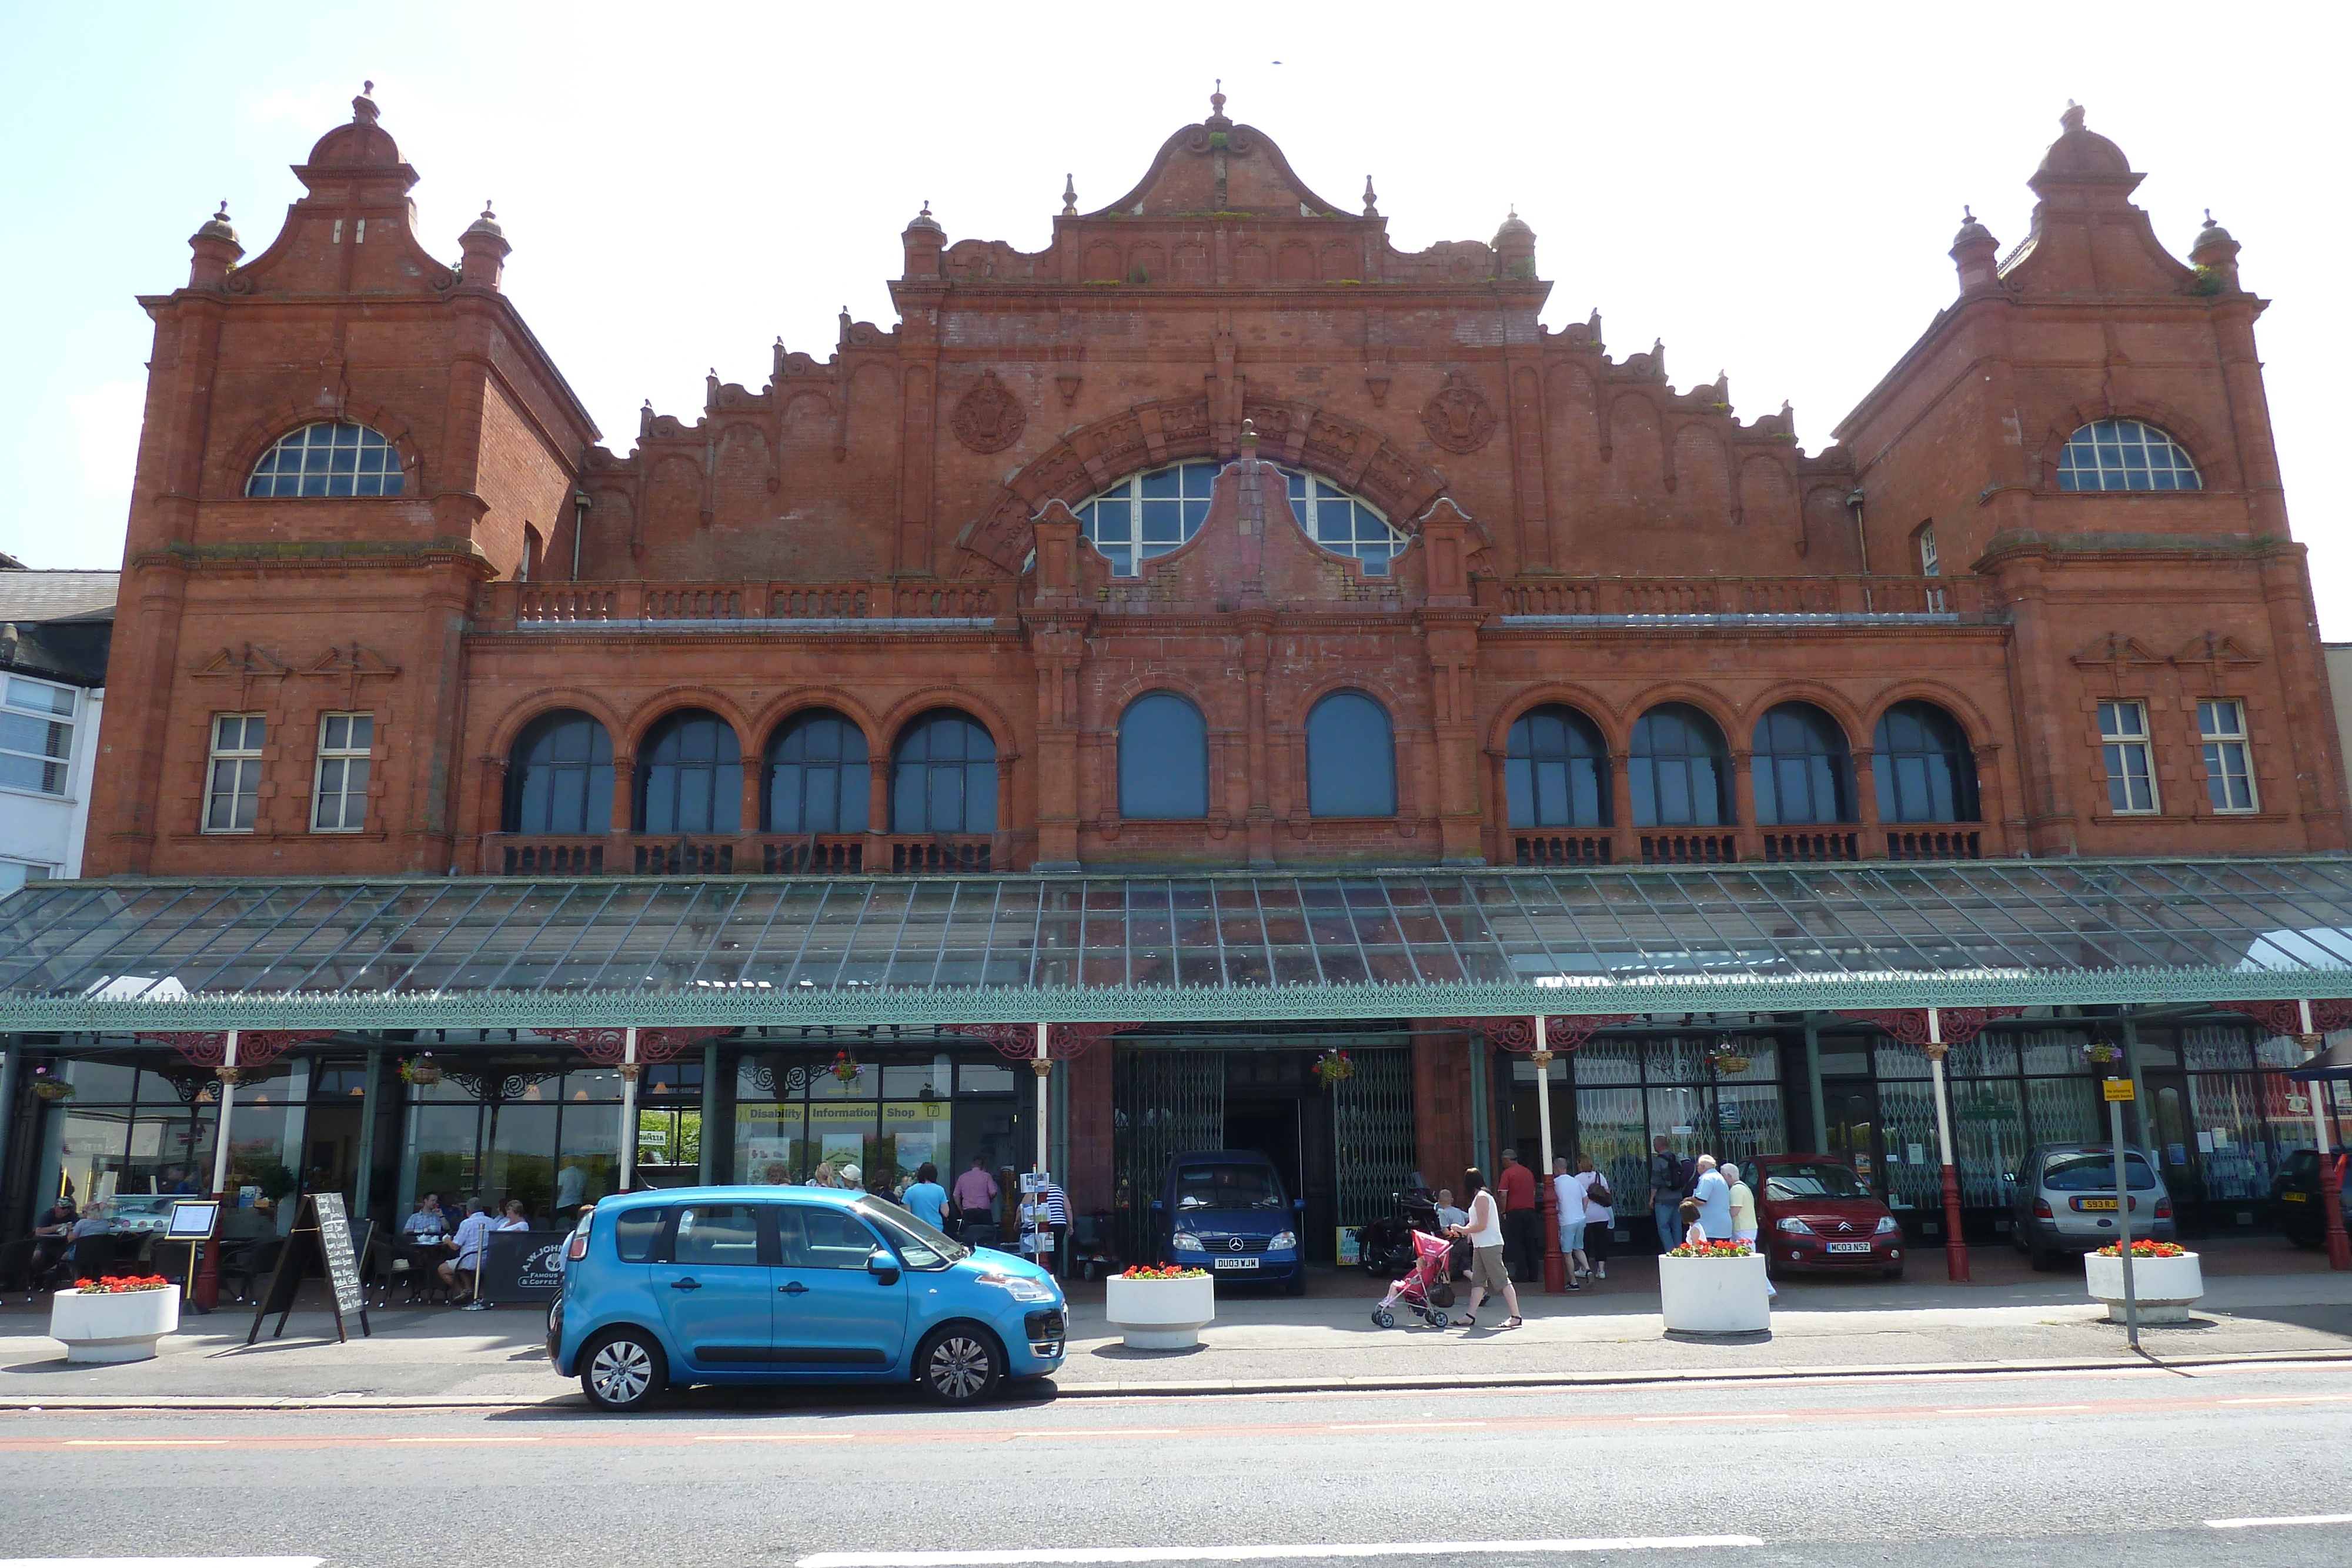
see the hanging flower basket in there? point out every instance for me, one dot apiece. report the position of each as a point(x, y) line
point(53, 1089)
point(846, 1068)
point(419, 1070)
point(2099, 1052)
point(1332, 1066)
point(1729, 1061)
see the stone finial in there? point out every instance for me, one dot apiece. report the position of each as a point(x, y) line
point(923, 220)
point(1975, 252)
point(217, 227)
point(488, 224)
point(1217, 120)
point(1371, 202)
point(1069, 196)
point(363, 109)
point(216, 249)
point(485, 249)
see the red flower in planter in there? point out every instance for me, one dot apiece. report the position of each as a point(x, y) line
point(122, 1284)
point(1161, 1271)
point(2148, 1249)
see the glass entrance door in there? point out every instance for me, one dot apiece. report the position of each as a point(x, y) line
point(1850, 1106)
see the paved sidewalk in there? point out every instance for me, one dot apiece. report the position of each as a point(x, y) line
point(2010, 1319)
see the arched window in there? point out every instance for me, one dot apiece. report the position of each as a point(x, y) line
point(1555, 770)
point(819, 780)
point(1338, 521)
point(560, 776)
point(1927, 773)
point(1163, 760)
point(943, 775)
point(328, 460)
point(2125, 455)
point(1147, 515)
point(1680, 770)
point(1351, 758)
point(1802, 769)
point(690, 776)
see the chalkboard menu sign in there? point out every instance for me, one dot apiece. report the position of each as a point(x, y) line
point(326, 1235)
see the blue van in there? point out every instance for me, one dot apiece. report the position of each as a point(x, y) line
point(1225, 1211)
point(791, 1284)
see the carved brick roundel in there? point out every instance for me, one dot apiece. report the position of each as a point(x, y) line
point(1458, 417)
point(989, 418)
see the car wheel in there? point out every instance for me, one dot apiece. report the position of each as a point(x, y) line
point(1297, 1284)
point(2042, 1262)
point(622, 1371)
point(959, 1365)
point(2309, 1241)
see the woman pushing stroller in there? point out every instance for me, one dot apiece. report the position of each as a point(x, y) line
point(1484, 1234)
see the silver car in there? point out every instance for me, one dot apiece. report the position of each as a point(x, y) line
point(2063, 1200)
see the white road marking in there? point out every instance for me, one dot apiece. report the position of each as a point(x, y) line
point(2291, 1519)
point(2011, 1409)
point(145, 1443)
point(161, 1561)
point(1752, 1416)
point(1401, 1425)
point(1106, 1554)
point(2294, 1399)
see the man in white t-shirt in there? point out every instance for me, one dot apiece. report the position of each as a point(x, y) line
point(1567, 1203)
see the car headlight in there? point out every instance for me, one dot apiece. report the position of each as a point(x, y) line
point(1792, 1226)
point(1188, 1242)
point(1020, 1287)
point(1283, 1240)
point(1887, 1225)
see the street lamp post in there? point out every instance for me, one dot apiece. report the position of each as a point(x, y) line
point(1956, 1250)
point(1555, 1266)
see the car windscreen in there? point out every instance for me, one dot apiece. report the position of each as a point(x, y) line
point(1227, 1186)
point(1783, 1183)
point(2095, 1173)
point(919, 1246)
point(2301, 1165)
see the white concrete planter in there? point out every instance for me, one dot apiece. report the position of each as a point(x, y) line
point(116, 1326)
point(1715, 1295)
point(1160, 1314)
point(2167, 1287)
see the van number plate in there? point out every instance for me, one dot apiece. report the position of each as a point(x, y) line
point(1236, 1263)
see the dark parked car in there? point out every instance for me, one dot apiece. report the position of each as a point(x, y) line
point(2296, 1201)
point(1813, 1212)
point(1225, 1211)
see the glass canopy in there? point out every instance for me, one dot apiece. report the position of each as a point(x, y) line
point(506, 953)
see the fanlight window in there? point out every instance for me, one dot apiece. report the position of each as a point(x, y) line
point(1147, 514)
point(2126, 455)
point(328, 460)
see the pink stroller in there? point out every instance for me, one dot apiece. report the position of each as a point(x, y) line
point(1424, 1288)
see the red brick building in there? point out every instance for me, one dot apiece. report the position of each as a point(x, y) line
point(1220, 534)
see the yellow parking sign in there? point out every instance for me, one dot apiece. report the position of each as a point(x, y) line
point(2118, 1088)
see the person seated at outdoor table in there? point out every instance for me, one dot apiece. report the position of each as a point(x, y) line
point(517, 1217)
point(52, 1235)
point(429, 1223)
point(95, 1221)
point(468, 1242)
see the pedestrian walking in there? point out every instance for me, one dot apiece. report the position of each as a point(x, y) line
point(1600, 1218)
point(1670, 1179)
point(1522, 1220)
point(1743, 1220)
point(1714, 1196)
point(1484, 1234)
point(1567, 1203)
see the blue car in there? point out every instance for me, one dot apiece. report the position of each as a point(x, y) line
point(793, 1284)
point(1225, 1211)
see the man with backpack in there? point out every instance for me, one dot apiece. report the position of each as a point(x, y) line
point(1671, 1176)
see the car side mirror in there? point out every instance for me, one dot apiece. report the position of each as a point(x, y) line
point(883, 1266)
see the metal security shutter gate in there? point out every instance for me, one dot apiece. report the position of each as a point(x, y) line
point(1164, 1104)
point(1372, 1121)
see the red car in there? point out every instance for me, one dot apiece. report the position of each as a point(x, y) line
point(1813, 1212)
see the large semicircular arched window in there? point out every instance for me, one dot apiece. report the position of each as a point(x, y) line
point(328, 459)
point(1152, 513)
point(2126, 455)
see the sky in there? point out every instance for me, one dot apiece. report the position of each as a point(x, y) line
point(1771, 190)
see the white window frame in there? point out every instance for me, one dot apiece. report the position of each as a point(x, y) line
point(1929, 563)
point(335, 762)
point(2229, 755)
point(2130, 757)
point(243, 762)
point(68, 719)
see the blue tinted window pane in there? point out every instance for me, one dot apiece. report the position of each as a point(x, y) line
point(1163, 760)
point(1351, 758)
